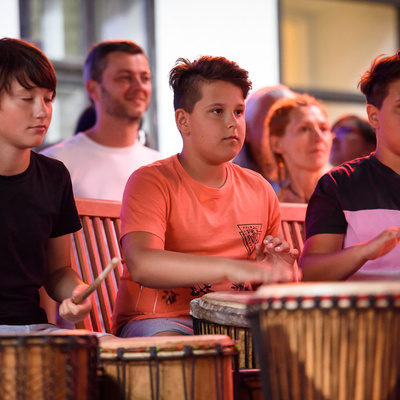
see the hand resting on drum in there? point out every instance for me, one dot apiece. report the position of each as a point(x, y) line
point(76, 312)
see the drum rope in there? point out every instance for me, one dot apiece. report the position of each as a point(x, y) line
point(121, 364)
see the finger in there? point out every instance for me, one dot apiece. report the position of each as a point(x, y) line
point(273, 242)
point(285, 246)
point(267, 239)
point(259, 251)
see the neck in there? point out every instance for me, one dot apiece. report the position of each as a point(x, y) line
point(302, 184)
point(14, 162)
point(389, 159)
point(213, 176)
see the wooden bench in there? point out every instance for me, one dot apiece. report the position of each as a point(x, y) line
point(93, 247)
point(293, 216)
point(98, 242)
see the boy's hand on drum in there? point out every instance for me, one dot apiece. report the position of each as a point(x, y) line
point(381, 244)
point(280, 256)
point(275, 251)
point(76, 312)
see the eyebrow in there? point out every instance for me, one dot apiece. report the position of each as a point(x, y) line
point(128, 71)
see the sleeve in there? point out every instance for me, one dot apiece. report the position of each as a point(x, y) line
point(68, 219)
point(145, 203)
point(274, 217)
point(324, 212)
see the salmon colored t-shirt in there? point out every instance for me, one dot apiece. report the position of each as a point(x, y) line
point(163, 199)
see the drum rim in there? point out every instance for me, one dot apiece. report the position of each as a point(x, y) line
point(327, 289)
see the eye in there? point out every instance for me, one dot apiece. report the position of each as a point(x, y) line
point(239, 112)
point(124, 78)
point(324, 129)
point(304, 129)
point(27, 98)
point(217, 111)
point(146, 79)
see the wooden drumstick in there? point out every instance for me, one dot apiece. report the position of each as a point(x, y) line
point(96, 283)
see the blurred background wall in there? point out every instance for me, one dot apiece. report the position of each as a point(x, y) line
point(317, 46)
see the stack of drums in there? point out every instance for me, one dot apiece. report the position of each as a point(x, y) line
point(173, 367)
point(49, 367)
point(225, 313)
point(328, 341)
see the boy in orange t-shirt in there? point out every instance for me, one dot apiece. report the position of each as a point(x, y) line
point(194, 222)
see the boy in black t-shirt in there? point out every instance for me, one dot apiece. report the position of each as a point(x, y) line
point(37, 208)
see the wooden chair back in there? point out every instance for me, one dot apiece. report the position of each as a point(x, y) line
point(93, 248)
point(98, 242)
point(293, 217)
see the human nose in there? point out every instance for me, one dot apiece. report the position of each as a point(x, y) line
point(231, 120)
point(43, 108)
point(317, 133)
point(137, 83)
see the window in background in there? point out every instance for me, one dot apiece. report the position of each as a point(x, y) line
point(65, 31)
point(326, 45)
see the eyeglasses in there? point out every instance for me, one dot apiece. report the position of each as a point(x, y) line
point(345, 130)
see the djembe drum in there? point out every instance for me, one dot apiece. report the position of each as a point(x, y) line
point(51, 367)
point(224, 313)
point(328, 341)
point(168, 367)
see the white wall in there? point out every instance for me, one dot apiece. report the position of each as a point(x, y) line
point(242, 31)
point(9, 18)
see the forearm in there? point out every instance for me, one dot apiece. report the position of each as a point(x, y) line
point(163, 269)
point(336, 266)
point(60, 284)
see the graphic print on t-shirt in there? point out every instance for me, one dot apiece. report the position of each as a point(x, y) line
point(250, 234)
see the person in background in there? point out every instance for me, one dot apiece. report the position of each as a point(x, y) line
point(86, 120)
point(37, 211)
point(353, 217)
point(101, 159)
point(353, 137)
point(195, 222)
point(300, 139)
point(255, 154)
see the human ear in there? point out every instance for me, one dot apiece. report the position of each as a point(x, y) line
point(92, 89)
point(275, 144)
point(182, 120)
point(373, 116)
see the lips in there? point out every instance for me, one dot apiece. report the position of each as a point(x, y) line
point(39, 127)
point(231, 138)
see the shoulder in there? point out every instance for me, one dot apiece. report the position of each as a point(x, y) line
point(162, 169)
point(65, 146)
point(350, 173)
point(47, 163)
point(49, 171)
point(248, 177)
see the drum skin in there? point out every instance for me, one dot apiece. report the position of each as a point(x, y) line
point(330, 341)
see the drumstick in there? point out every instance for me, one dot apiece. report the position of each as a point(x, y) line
point(96, 283)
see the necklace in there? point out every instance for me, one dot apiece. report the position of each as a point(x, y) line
point(302, 198)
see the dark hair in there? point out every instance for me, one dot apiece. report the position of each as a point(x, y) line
point(27, 64)
point(375, 82)
point(279, 115)
point(185, 78)
point(365, 128)
point(86, 119)
point(96, 61)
